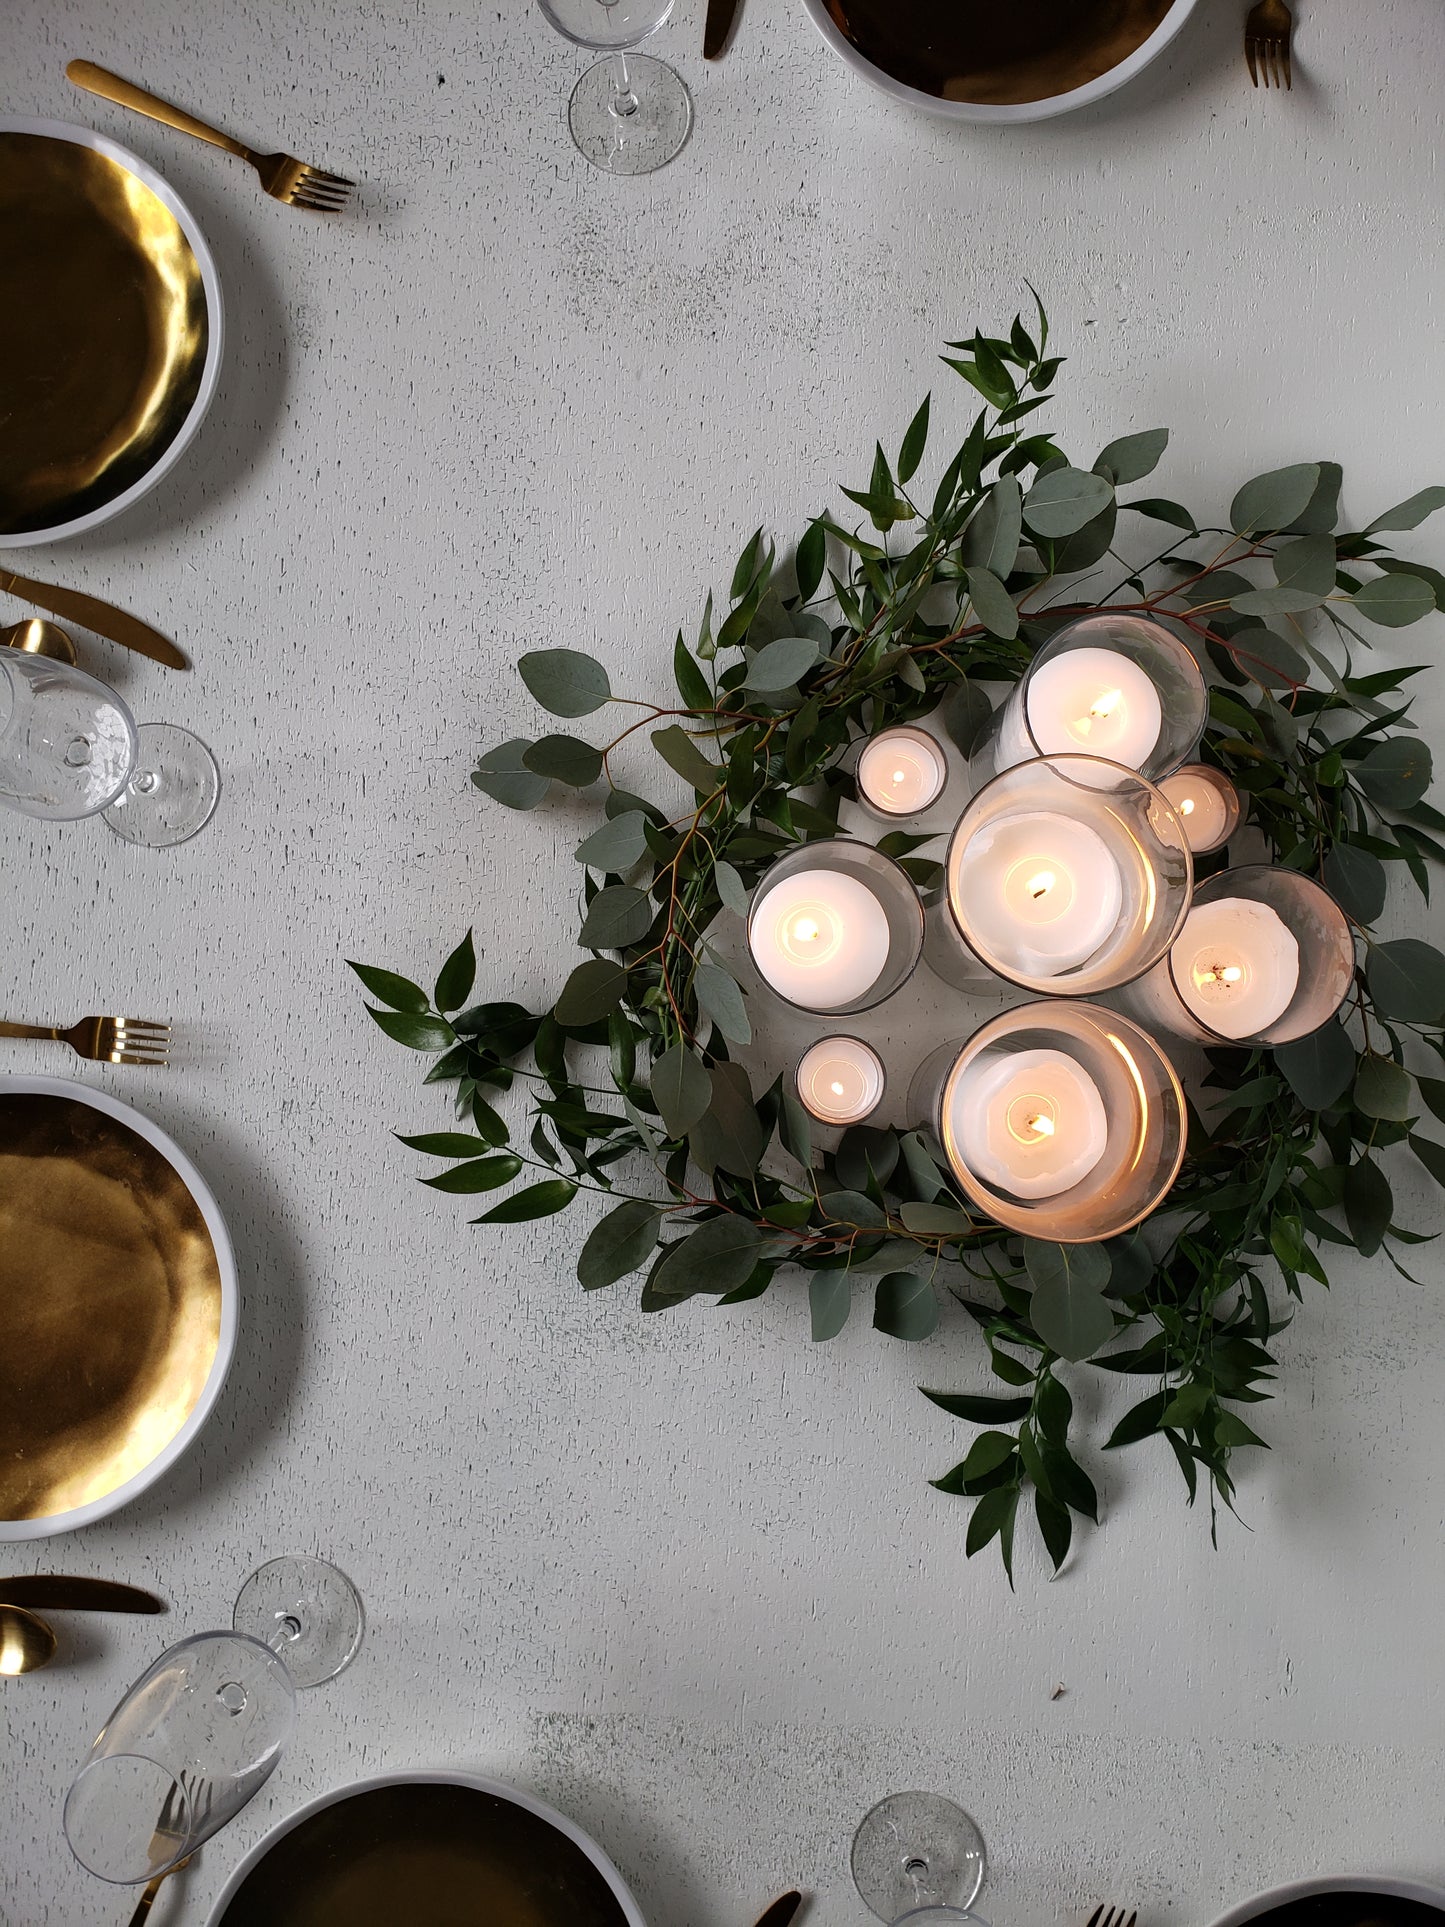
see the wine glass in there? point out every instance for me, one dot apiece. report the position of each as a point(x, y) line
point(70, 748)
point(919, 1858)
point(202, 1730)
point(628, 114)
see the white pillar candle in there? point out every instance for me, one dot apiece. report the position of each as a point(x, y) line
point(901, 771)
point(1084, 702)
point(1207, 804)
point(1039, 890)
point(1236, 966)
point(1031, 1123)
point(840, 1080)
point(819, 938)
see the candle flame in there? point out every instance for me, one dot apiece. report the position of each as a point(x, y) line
point(1040, 885)
point(805, 930)
point(900, 776)
point(1100, 710)
point(1186, 808)
point(1222, 974)
point(836, 1088)
point(1041, 1126)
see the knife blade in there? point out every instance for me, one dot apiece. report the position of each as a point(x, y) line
point(65, 1593)
point(112, 623)
point(720, 17)
point(782, 1910)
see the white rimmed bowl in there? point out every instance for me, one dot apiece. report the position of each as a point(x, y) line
point(1007, 112)
point(447, 1776)
point(61, 130)
point(1397, 1887)
point(84, 1515)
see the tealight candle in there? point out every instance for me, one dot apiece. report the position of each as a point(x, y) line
point(901, 771)
point(1039, 889)
point(1031, 1123)
point(840, 1080)
point(819, 938)
point(1086, 701)
point(1207, 804)
point(1236, 966)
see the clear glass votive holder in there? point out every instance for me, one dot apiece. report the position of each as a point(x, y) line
point(1117, 686)
point(1194, 978)
point(900, 772)
point(840, 1081)
point(1136, 1130)
point(1206, 803)
point(835, 927)
point(1066, 875)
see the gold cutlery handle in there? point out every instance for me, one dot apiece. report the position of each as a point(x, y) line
point(99, 80)
point(29, 1030)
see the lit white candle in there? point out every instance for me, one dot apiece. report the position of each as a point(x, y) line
point(1207, 804)
point(840, 1080)
point(1087, 702)
point(901, 772)
point(1039, 891)
point(1031, 1123)
point(1236, 965)
point(819, 938)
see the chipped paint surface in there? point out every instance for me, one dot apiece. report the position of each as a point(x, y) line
point(685, 1576)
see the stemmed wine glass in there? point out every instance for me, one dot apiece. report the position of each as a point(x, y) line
point(70, 748)
point(203, 1729)
point(918, 1858)
point(628, 114)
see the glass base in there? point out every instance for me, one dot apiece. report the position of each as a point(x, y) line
point(172, 792)
point(917, 1850)
point(307, 1612)
point(630, 114)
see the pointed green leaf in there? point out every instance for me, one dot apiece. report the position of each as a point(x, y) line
point(991, 540)
point(935, 1220)
point(616, 916)
point(914, 443)
point(1319, 1068)
point(591, 993)
point(1356, 880)
point(993, 604)
point(1272, 501)
point(399, 992)
point(621, 1242)
point(1385, 1090)
point(681, 1089)
point(691, 682)
point(1132, 457)
point(731, 888)
point(565, 682)
point(719, 997)
point(617, 844)
point(414, 1030)
point(1431, 1155)
point(678, 750)
point(478, 1174)
point(980, 1408)
point(717, 1256)
point(811, 560)
point(533, 1201)
point(456, 976)
point(729, 1133)
point(1410, 513)
point(1368, 1205)
point(446, 1144)
point(829, 1301)
point(1407, 980)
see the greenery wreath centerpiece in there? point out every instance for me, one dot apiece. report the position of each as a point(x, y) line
point(717, 1188)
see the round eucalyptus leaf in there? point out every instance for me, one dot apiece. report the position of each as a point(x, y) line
point(565, 682)
point(501, 774)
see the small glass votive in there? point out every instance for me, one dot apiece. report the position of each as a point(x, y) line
point(1066, 875)
point(900, 772)
point(1120, 687)
point(835, 926)
point(1061, 1121)
point(1206, 803)
point(1265, 957)
point(840, 1080)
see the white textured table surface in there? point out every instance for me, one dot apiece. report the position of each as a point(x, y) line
point(685, 1576)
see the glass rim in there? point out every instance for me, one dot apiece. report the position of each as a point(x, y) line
point(842, 1037)
point(863, 744)
point(854, 1008)
point(604, 46)
point(151, 1871)
point(1049, 650)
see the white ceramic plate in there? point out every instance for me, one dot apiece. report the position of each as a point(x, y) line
point(1292, 1890)
point(1012, 111)
point(211, 368)
point(225, 1265)
point(630, 1910)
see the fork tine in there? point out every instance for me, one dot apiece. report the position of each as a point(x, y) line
point(134, 1057)
point(324, 200)
point(1288, 75)
point(143, 1025)
point(1249, 53)
point(1096, 1918)
point(334, 180)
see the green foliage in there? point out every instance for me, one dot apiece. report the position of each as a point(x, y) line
point(915, 599)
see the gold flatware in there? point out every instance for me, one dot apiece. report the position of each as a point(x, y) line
point(102, 617)
point(104, 1040)
point(1267, 33)
point(147, 1899)
point(26, 1643)
point(37, 637)
point(721, 15)
point(67, 1592)
point(782, 1910)
point(1112, 1917)
point(282, 175)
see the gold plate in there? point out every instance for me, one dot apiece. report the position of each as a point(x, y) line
point(429, 1853)
point(110, 1304)
point(980, 52)
point(104, 331)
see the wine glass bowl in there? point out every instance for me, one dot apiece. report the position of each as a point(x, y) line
point(605, 25)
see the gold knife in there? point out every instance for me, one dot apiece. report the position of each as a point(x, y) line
point(720, 17)
point(63, 1593)
point(114, 624)
point(782, 1910)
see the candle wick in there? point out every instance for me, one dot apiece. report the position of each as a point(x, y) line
point(1041, 885)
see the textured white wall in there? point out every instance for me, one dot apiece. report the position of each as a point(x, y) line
point(686, 1575)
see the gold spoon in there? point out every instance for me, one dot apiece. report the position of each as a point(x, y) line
point(26, 1642)
point(37, 637)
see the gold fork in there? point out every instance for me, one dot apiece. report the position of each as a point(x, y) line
point(282, 175)
point(104, 1040)
point(1111, 1917)
point(1266, 43)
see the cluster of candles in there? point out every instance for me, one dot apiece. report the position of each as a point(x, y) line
point(1069, 873)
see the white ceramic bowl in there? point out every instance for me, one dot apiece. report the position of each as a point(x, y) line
point(449, 1776)
point(1010, 111)
point(84, 1515)
point(1401, 1889)
point(215, 322)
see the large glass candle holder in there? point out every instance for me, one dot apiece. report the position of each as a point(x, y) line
point(1265, 957)
point(1066, 875)
point(1062, 1121)
point(835, 926)
point(1115, 686)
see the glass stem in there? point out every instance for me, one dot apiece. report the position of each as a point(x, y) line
point(624, 101)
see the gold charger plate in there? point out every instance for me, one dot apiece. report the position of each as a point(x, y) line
point(109, 329)
point(117, 1305)
point(432, 1852)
